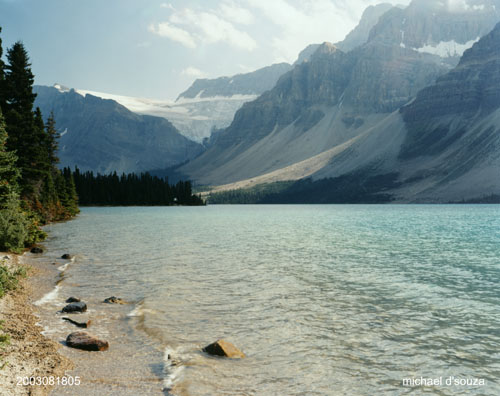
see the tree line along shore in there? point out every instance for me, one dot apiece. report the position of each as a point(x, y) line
point(33, 190)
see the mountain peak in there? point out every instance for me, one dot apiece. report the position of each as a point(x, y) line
point(326, 48)
point(359, 35)
point(61, 88)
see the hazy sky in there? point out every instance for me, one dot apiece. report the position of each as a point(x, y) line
point(156, 48)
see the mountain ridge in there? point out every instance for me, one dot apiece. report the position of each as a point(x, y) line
point(103, 136)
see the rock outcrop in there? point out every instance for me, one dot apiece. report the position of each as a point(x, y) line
point(73, 300)
point(75, 307)
point(224, 349)
point(114, 300)
point(86, 342)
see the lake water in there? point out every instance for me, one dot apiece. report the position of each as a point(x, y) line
point(323, 300)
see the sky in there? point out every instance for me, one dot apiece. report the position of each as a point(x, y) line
point(157, 48)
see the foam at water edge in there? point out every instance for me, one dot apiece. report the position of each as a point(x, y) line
point(140, 310)
point(137, 311)
point(172, 369)
point(49, 297)
point(62, 268)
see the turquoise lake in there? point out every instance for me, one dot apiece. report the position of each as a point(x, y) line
point(323, 300)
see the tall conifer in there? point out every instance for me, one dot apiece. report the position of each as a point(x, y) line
point(24, 136)
point(52, 139)
point(9, 174)
point(2, 75)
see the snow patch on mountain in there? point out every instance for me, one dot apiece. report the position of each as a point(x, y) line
point(447, 49)
point(195, 118)
point(61, 88)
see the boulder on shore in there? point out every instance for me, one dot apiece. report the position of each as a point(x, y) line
point(224, 349)
point(36, 250)
point(73, 299)
point(78, 324)
point(114, 300)
point(66, 256)
point(86, 341)
point(75, 307)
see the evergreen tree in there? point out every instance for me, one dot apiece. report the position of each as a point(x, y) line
point(28, 155)
point(2, 75)
point(62, 193)
point(19, 80)
point(52, 139)
point(24, 136)
point(71, 204)
point(14, 226)
point(9, 174)
point(42, 159)
point(132, 189)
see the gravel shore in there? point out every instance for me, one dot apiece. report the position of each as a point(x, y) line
point(29, 354)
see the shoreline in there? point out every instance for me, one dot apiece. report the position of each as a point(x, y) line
point(29, 352)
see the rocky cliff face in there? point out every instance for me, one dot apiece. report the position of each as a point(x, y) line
point(349, 88)
point(321, 80)
point(442, 112)
point(443, 147)
point(103, 136)
point(443, 29)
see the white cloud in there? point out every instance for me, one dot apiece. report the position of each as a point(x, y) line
point(193, 72)
point(165, 29)
point(236, 14)
point(192, 27)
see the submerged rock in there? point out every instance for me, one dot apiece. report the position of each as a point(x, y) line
point(86, 341)
point(78, 324)
point(66, 256)
point(73, 299)
point(36, 250)
point(75, 307)
point(114, 300)
point(224, 349)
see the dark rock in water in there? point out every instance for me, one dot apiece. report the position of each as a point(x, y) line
point(73, 299)
point(224, 349)
point(75, 307)
point(66, 256)
point(5, 258)
point(78, 324)
point(36, 250)
point(86, 341)
point(114, 300)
